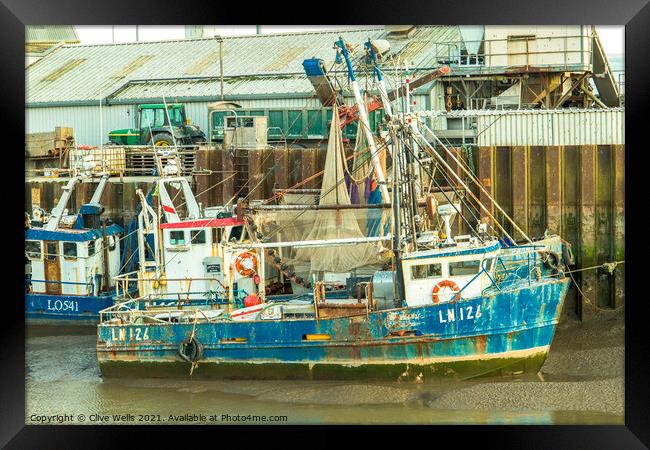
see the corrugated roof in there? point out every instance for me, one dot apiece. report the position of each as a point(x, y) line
point(50, 33)
point(39, 39)
point(276, 60)
point(233, 88)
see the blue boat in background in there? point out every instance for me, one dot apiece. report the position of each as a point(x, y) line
point(70, 261)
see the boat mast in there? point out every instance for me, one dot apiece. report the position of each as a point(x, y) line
point(399, 289)
point(380, 78)
point(363, 118)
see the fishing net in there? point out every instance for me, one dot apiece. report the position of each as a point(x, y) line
point(331, 224)
point(336, 224)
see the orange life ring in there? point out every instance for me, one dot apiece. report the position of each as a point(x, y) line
point(249, 269)
point(445, 283)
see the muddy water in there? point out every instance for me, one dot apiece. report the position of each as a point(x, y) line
point(64, 386)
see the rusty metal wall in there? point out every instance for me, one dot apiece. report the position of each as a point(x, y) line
point(577, 192)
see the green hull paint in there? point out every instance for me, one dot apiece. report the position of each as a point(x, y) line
point(299, 371)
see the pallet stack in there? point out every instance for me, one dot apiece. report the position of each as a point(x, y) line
point(49, 143)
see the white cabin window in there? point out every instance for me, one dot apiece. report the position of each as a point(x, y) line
point(197, 236)
point(69, 249)
point(33, 249)
point(111, 242)
point(91, 248)
point(236, 233)
point(459, 268)
point(426, 271)
point(177, 237)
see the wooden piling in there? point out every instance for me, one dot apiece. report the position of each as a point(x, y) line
point(219, 177)
point(571, 215)
point(281, 168)
point(553, 190)
point(255, 174)
point(205, 161)
point(619, 223)
point(486, 175)
point(308, 167)
point(519, 179)
point(604, 224)
point(294, 168)
point(587, 255)
point(536, 192)
point(503, 187)
point(228, 186)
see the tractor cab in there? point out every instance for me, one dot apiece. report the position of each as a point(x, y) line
point(154, 116)
point(160, 128)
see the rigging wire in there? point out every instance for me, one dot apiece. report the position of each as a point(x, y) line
point(445, 194)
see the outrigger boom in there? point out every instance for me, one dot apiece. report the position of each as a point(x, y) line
point(313, 243)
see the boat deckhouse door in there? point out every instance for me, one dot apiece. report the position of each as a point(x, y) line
point(52, 268)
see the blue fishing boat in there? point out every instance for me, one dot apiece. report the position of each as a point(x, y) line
point(70, 261)
point(506, 329)
point(429, 304)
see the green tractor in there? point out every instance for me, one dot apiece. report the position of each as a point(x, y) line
point(155, 128)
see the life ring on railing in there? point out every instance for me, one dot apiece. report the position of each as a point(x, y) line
point(246, 263)
point(190, 350)
point(444, 283)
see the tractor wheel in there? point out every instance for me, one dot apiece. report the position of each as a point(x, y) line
point(162, 140)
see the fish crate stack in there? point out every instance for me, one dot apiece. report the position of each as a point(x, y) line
point(110, 159)
point(50, 143)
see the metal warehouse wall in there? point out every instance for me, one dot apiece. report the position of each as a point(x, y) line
point(553, 127)
point(85, 119)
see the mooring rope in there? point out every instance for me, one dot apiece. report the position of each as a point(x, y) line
point(610, 267)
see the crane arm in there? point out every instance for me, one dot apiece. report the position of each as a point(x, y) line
point(350, 114)
point(57, 212)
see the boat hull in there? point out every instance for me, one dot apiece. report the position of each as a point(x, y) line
point(505, 332)
point(508, 363)
point(44, 309)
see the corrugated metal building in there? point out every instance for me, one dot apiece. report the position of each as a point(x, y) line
point(522, 127)
point(260, 72)
point(552, 127)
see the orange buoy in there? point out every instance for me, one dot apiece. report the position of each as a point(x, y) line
point(445, 283)
point(246, 263)
point(251, 300)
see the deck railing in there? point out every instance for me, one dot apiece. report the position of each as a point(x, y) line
point(127, 283)
point(90, 286)
point(526, 51)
